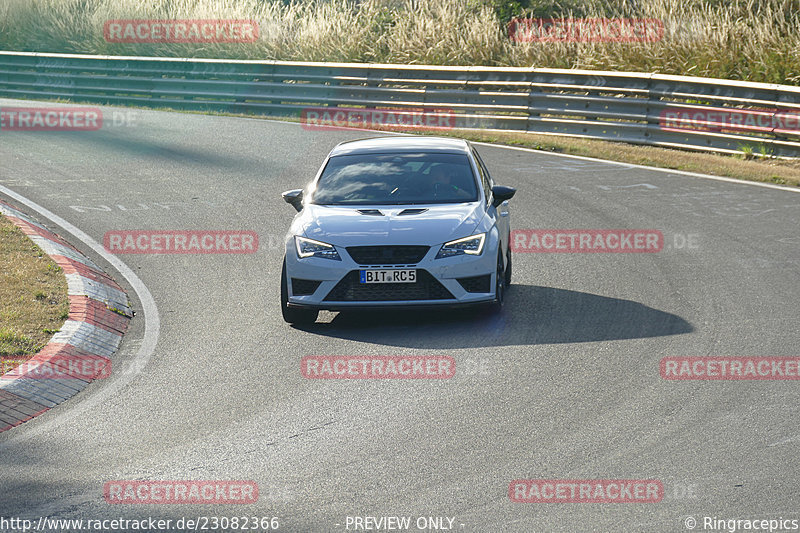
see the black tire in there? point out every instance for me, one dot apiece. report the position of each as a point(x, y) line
point(294, 315)
point(508, 265)
point(500, 283)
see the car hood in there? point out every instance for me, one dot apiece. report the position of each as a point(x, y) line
point(349, 226)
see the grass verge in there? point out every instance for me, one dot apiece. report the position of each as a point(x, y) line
point(33, 296)
point(748, 168)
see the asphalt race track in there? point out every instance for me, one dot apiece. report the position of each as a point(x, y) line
point(563, 384)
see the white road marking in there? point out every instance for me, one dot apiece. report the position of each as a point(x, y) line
point(609, 187)
point(629, 165)
point(583, 158)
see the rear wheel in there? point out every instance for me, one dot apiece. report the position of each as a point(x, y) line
point(294, 315)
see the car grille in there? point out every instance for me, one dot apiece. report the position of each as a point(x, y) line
point(349, 289)
point(387, 255)
point(304, 287)
point(476, 283)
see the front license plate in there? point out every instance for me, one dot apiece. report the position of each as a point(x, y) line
point(388, 276)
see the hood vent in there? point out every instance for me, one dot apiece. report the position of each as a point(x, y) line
point(373, 212)
point(411, 212)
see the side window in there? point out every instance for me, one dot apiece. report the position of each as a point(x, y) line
point(486, 178)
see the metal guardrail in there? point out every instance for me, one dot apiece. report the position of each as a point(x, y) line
point(615, 106)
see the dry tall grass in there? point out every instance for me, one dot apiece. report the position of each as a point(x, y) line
point(756, 40)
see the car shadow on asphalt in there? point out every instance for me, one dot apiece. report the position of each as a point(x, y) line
point(531, 315)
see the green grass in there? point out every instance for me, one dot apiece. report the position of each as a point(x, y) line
point(33, 294)
point(756, 40)
point(13, 343)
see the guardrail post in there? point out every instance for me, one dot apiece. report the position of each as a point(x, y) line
point(648, 112)
point(531, 107)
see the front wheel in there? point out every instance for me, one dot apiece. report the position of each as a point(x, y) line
point(294, 315)
point(500, 283)
point(508, 265)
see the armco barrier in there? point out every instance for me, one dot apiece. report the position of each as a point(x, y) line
point(662, 110)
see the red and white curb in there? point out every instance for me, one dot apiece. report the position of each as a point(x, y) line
point(98, 317)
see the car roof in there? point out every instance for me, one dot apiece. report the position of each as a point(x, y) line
point(402, 144)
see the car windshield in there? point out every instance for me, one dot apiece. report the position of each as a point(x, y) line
point(395, 179)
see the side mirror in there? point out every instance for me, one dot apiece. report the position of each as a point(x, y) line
point(501, 194)
point(294, 197)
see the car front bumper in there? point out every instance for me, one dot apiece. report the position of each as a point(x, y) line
point(438, 281)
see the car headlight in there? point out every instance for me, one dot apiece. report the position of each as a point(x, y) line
point(312, 248)
point(472, 245)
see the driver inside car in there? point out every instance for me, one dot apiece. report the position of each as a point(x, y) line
point(445, 183)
